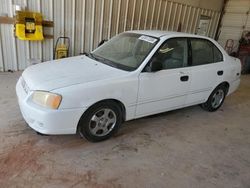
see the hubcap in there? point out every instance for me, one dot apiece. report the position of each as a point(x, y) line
point(217, 98)
point(102, 122)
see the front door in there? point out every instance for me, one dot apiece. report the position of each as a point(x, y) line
point(167, 88)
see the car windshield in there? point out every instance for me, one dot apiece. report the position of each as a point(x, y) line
point(125, 51)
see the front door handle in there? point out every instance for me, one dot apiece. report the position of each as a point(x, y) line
point(184, 78)
point(220, 73)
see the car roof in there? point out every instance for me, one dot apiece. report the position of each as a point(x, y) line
point(160, 33)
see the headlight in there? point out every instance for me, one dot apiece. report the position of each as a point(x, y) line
point(47, 99)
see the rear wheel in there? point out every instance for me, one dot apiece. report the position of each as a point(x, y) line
point(100, 122)
point(216, 99)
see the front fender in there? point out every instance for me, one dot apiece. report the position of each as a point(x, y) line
point(85, 95)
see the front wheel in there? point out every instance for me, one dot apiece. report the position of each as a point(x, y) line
point(100, 122)
point(216, 99)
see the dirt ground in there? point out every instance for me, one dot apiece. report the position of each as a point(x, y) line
point(182, 148)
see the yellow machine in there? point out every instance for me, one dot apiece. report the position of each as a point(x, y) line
point(62, 48)
point(28, 25)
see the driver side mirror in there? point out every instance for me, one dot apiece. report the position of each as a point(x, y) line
point(154, 66)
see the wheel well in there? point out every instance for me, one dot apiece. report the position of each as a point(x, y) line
point(119, 103)
point(226, 84)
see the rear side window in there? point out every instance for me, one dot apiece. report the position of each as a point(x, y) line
point(204, 52)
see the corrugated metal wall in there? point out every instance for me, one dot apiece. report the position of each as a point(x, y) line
point(87, 22)
point(235, 20)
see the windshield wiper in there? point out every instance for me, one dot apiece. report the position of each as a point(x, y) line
point(108, 62)
point(90, 55)
point(102, 60)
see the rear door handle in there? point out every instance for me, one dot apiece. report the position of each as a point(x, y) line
point(220, 72)
point(184, 78)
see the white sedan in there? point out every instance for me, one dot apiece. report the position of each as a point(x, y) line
point(135, 74)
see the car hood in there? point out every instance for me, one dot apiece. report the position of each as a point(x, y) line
point(69, 71)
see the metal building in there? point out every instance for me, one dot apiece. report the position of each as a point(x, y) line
point(87, 22)
point(235, 20)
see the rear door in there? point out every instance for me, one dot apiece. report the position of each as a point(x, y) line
point(207, 69)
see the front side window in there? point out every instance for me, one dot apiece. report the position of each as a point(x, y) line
point(125, 51)
point(172, 54)
point(204, 52)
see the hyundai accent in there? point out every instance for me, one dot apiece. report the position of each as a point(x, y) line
point(134, 74)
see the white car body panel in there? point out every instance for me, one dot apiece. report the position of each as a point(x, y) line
point(82, 82)
point(161, 91)
point(66, 72)
point(203, 80)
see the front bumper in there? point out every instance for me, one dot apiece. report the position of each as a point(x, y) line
point(47, 121)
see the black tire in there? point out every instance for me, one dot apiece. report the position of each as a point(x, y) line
point(88, 123)
point(209, 105)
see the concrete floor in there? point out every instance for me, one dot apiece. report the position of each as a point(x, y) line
point(182, 148)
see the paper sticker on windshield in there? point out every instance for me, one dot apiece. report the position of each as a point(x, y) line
point(147, 39)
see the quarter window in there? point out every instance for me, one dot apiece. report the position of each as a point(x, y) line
point(218, 57)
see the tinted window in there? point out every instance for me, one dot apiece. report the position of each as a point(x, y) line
point(218, 57)
point(204, 52)
point(172, 54)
